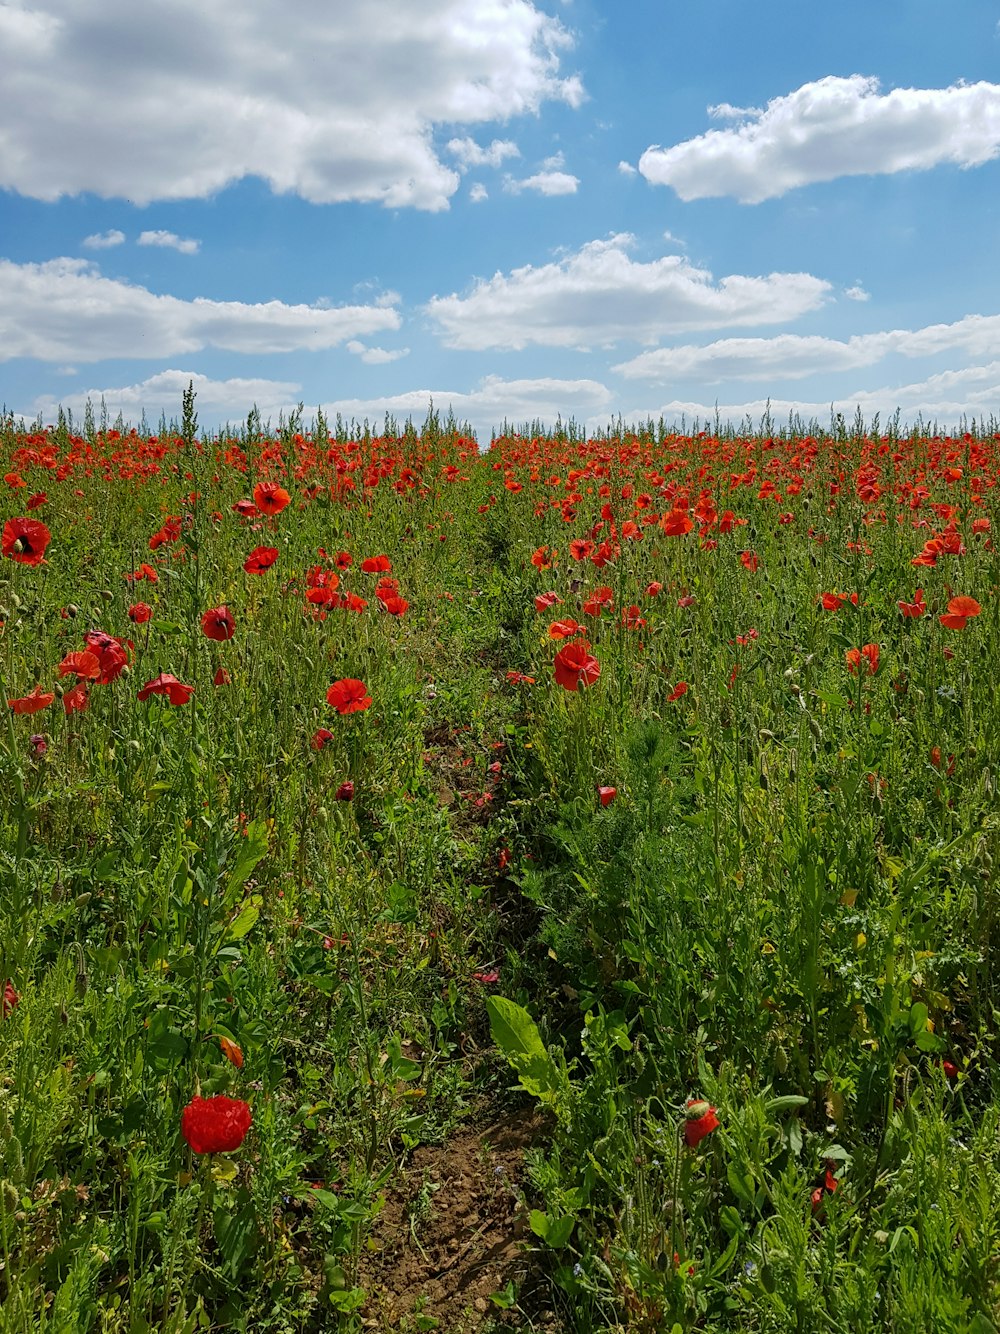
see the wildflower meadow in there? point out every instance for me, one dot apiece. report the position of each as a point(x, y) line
point(549, 887)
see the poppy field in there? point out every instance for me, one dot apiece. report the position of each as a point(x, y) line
point(629, 800)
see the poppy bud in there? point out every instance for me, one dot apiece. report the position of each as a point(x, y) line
point(699, 1120)
point(106, 595)
point(72, 610)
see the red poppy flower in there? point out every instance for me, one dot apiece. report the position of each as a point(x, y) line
point(352, 602)
point(320, 738)
point(39, 499)
point(395, 606)
point(345, 792)
point(139, 613)
point(34, 702)
point(215, 1125)
point(260, 559)
point(348, 696)
point(543, 558)
point(543, 601)
point(111, 653)
point(85, 666)
point(519, 678)
point(232, 1052)
point(580, 548)
point(488, 978)
point(246, 509)
point(9, 1000)
point(749, 560)
point(654, 589)
point(915, 608)
point(218, 624)
point(76, 700)
point(143, 572)
point(575, 666)
point(681, 688)
point(270, 498)
point(870, 653)
point(676, 523)
point(607, 795)
point(376, 565)
point(343, 560)
point(832, 601)
point(566, 629)
point(960, 611)
point(699, 1120)
point(829, 1187)
point(167, 684)
point(25, 540)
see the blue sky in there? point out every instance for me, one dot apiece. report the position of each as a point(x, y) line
point(521, 209)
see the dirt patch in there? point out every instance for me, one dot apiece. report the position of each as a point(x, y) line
point(452, 1232)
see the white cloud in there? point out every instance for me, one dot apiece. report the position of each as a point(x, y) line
point(948, 397)
point(726, 111)
point(103, 240)
point(328, 101)
point(485, 407)
point(599, 296)
point(470, 154)
point(831, 128)
point(162, 393)
point(544, 183)
point(65, 309)
point(478, 193)
point(627, 169)
point(170, 241)
point(857, 293)
point(792, 356)
point(375, 356)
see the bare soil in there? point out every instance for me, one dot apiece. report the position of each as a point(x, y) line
point(454, 1231)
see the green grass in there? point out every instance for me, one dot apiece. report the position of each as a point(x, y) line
point(788, 910)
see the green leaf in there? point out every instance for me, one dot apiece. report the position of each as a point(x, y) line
point(236, 1234)
point(246, 919)
point(250, 850)
point(516, 1034)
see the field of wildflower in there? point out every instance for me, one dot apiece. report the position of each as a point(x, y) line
point(550, 888)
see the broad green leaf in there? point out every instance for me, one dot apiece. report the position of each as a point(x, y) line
point(246, 919)
point(516, 1034)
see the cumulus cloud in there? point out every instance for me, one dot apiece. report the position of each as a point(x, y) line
point(486, 406)
point(170, 241)
point(478, 193)
point(857, 293)
point(947, 398)
point(375, 356)
point(493, 400)
point(103, 240)
point(544, 183)
point(331, 102)
point(627, 169)
point(162, 393)
point(65, 309)
point(471, 154)
point(600, 296)
point(792, 356)
point(830, 128)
